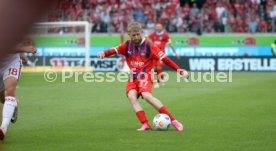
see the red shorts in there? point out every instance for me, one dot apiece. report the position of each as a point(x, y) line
point(158, 63)
point(139, 85)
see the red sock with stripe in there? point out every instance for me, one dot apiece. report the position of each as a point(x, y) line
point(141, 116)
point(165, 111)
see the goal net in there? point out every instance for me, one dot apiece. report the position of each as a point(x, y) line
point(62, 45)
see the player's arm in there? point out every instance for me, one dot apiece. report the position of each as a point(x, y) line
point(27, 49)
point(169, 42)
point(159, 55)
point(106, 53)
point(149, 36)
point(116, 50)
point(24, 58)
point(174, 66)
point(173, 49)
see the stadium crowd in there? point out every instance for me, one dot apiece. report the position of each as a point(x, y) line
point(210, 16)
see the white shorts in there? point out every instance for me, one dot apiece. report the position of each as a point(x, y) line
point(11, 68)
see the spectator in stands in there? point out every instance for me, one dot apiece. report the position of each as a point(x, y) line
point(220, 10)
point(262, 24)
point(216, 16)
point(272, 11)
point(261, 12)
point(105, 19)
point(138, 14)
point(196, 25)
point(226, 23)
point(253, 24)
point(185, 11)
point(218, 26)
point(194, 11)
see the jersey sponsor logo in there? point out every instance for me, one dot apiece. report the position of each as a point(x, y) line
point(136, 63)
point(129, 52)
point(157, 42)
point(143, 54)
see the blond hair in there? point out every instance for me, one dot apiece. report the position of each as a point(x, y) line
point(134, 27)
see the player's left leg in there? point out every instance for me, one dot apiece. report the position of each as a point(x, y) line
point(161, 109)
point(15, 113)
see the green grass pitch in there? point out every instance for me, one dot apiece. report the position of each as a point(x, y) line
point(97, 116)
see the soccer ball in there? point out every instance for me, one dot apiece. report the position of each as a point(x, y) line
point(161, 122)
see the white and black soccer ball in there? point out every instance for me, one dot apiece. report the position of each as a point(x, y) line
point(161, 122)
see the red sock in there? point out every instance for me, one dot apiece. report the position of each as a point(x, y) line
point(141, 116)
point(159, 75)
point(165, 111)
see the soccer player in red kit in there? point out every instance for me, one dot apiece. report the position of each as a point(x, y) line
point(140, 54)
point(160, 38)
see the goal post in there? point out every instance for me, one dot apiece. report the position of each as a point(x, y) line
point(63, 24)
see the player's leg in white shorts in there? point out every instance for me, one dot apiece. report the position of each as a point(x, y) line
point(11, 74)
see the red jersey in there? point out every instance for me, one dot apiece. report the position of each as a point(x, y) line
point(160, 39)
point(140, 58)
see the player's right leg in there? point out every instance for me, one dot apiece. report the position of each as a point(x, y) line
point(162, 76)
point(156, 83)
point(11, 74)
point(159, 71)
point(159, 76)
point(133, 99)
point(10, 103)
point(2, 100)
